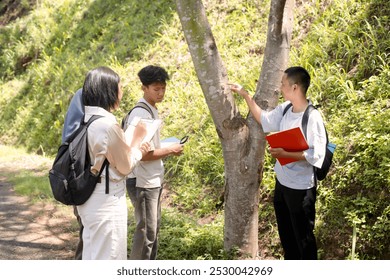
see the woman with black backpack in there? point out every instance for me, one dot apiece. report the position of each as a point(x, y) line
point(104, 214)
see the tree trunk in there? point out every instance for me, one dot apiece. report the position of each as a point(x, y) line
point(276, 55)
point(242, 143)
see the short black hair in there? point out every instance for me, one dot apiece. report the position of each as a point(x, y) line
point(152, 74)
point(298, 75)
point(101, 88)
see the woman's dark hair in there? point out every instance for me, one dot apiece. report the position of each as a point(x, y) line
point(152, 74)
point(298, 75)
point(101, 88)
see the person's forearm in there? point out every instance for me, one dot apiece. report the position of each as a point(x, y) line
point(294, 155)
point(157, 154)
point(281, 153)
point(253, 107)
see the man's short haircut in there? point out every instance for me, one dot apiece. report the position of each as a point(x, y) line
point(298, 75)
point(101, 88)
point(153, 74)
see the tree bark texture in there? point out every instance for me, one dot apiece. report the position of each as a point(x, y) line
point(242, 143)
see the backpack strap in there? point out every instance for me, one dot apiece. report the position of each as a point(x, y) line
point(105, 163)
point(140, 104)
point(91, 119)
point(82, 123)
point(287, 107)
point(144, 106)
point(305, 118)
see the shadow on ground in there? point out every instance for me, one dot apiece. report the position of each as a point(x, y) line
point(39, 231)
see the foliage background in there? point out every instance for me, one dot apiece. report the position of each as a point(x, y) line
point(46, 48)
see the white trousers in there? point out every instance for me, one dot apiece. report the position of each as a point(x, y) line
point(104, 217)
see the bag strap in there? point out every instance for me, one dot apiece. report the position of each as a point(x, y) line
point(305, 120)
point(140, 104)
point(144, 106)
point(91, 120)
point(286, 109)
point(82, 123)
point(105, 163)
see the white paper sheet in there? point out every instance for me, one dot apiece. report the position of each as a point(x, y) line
point(151, 128)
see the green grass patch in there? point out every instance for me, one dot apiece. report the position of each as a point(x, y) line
point(27, 183)
point(183, 238)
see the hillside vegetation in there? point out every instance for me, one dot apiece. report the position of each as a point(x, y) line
point(47, 47)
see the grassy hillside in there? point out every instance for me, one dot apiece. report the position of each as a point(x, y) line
point(46, 48)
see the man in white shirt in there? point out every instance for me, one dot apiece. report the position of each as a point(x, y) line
point(149, 173)
point(295, 189)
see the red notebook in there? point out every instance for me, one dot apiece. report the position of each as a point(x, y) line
point(292, 140)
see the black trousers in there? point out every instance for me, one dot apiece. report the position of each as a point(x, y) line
point(295, 215)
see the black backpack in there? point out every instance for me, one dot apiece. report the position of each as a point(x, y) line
point(71, 179)
point(330, 147)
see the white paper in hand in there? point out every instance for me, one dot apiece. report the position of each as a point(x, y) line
point(151, 128)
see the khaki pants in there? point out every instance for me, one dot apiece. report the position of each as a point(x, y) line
point(147, 211)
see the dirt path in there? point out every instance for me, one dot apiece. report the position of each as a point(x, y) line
point(33, 231)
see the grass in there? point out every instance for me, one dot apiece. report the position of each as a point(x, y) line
point(26, 171)
point(27, 183)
